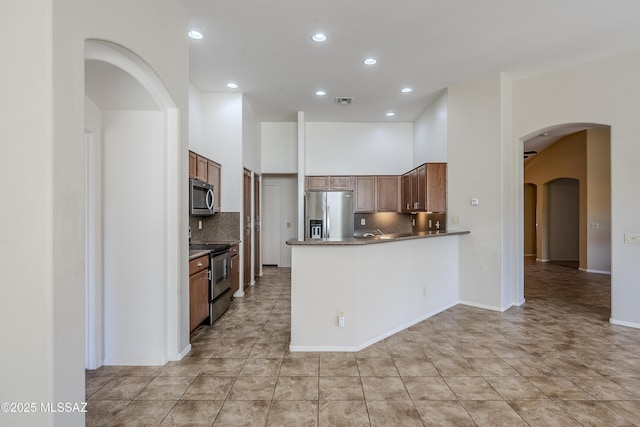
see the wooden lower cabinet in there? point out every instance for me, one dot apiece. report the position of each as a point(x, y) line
point(234, 269)
point(198, 291)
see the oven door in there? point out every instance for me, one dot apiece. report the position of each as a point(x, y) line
point(220, 278)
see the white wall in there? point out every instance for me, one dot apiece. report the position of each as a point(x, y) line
point(287, 189)
point(279, 147)
point(222, 142)
point(358, 148)
point(42, 115)
point(476, 170)
point(251, 146)
point(430, 133)
point(133, 283)
point(26, 121)
point(604, 92)
point(195, 118)
point(599, 200)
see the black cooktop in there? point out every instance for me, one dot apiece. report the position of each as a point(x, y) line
point(215, 248)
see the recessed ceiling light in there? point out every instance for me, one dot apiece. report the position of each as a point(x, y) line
point(232, 85)
point(406, 90)
point(321, 93)
point(391, 114)
point(319, 37)
point(369, 61)
point(196, 35)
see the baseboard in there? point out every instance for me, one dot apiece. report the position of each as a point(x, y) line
point(623, 323)
point(519, 303)
point(588, 270)
point(529, 254)
point(127, 362)
point(484, 306)
point(543, 260)
point(354, 348)
point(184, 352)
point(238, 294)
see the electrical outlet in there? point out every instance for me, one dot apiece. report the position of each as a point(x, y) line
point(363, 221)
point(199, 225)
point(341, 322)
point(475, 202)
point(632, 238)
point(455, 219)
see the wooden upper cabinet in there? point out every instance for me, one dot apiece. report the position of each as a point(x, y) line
point(192, 164)
point(365, 194)
point(201, 168)
point(424, 189)
point(213, 178)
point(421, 198)
point(387, 193)
point(406, 203)
point(436, 197)
point(341, 182)
point(325, 183)
point(317, 183)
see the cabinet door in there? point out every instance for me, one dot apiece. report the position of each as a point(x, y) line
point(341, 183)
point(201, 168)
point(198, 298)
point(406, 199)
point(414, 190)
point(317, 183)
point(192, 164)
point(421, 199)
point(213, 178)
point(365, 193)
point(436, 194)
point(387, 190)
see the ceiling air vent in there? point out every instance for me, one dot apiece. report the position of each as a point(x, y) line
point(344, 100)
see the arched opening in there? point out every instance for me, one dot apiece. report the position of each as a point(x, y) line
point(569, 167)
point(133, 279)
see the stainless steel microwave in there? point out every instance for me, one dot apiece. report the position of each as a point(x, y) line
point(201, 198)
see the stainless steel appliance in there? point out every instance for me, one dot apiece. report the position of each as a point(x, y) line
point(328, 214)
point(220, 279)
point(201, 197)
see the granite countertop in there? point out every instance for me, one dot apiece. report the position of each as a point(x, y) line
point(385, 238)
point(197, 253)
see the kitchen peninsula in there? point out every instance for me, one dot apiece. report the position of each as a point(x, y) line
point(347, 294)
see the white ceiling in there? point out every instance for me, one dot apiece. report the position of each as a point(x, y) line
point(265, 46)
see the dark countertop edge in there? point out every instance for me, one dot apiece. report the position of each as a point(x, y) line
point(199, 253)
point(370, 241)
point(224, 242)
point(206, 251)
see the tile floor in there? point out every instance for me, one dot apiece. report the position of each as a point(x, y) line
point(555, 361)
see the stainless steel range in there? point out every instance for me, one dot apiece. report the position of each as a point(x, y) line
point(220, 280)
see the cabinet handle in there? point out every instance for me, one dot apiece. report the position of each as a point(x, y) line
point(199, 264)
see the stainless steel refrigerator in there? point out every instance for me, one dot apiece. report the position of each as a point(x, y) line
point(328, 214)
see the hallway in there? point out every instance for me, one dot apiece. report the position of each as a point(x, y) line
point(553, 361)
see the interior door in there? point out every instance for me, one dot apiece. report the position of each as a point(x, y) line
point(247, 229)
point(270, 232)
point(256, 225)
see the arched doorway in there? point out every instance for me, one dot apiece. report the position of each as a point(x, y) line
point(132, 236)
point(581, 153)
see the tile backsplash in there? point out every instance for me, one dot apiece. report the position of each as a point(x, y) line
point(220, 227)
point(397, 223)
